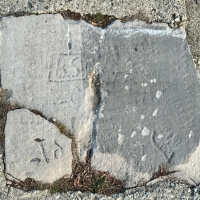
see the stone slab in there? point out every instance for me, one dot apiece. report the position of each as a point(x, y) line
point(35, 148)
point(149, 114)
point(43, 66)
point(149, 90)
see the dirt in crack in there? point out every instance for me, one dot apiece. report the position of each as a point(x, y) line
point(83, 178)
point(95, 87)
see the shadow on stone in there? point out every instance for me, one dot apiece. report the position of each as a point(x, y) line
point(5, 107)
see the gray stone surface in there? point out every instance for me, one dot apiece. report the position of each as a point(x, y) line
point(149, 112)
point(46, 71)
point(149, 91)
point(193, 27)
point(35, 148)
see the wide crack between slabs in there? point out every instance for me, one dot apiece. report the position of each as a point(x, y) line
point(83, 177)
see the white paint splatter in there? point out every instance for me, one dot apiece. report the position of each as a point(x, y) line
point(153, 80)
point(131, 71)
point(142, 116)
point(102, 36)
point(120, 139)
point(133, 134)
point(158, 94)
point(144, 84)
point(144, 158)
point(190, 134)
point(134, 109)
point(145, 131)
point(127, 87)
point(126, 76)
point(160, 136)
point(155, 112)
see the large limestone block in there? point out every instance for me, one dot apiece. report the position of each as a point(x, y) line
point(35, 148)
point(149, 111)
point(42, 64)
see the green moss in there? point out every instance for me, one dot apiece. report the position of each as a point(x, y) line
point(99, 184)
point(97, 18)
point(56, 188)
point(62, 128)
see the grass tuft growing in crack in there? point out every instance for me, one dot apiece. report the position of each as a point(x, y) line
point(62, 128)
point(83, 178)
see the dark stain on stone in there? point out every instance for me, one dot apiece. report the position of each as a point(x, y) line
point(97, 19)
point(95, 85)
point(30, 5)
point(37, 112)
point(68, 14)
point(5, 107)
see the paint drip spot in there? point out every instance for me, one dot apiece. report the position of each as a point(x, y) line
point(144, 158)
point(125, 76)
point(155, 113)
point(133, 134)
point(145, 131)
point(120, 138)
point(190, 134)
point(144, 84)
point(158, 94)
point(127, 88)
point(160, 136)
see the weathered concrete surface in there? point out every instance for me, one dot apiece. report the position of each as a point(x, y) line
point(149, 10)
point(147, 110)
point(193, 27)
point(35, 148)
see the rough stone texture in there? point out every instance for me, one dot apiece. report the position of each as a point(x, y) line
point(35, 148)
point(151, 10)
point(149, 93)
point(193, 27)
point(43, 67)
point(150, 104)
